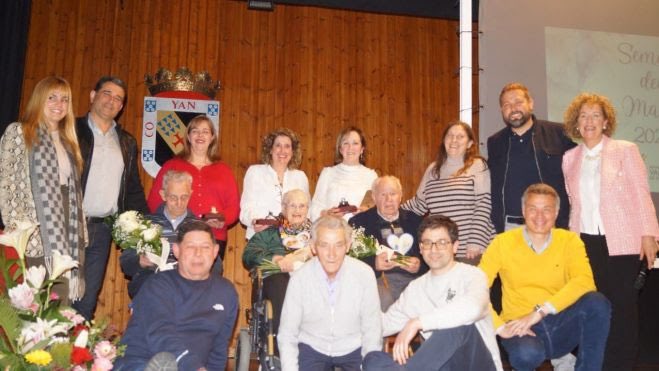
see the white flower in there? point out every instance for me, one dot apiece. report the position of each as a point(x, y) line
point(151, 233)
point(35, 276)
point(81, 340)
point(61, 264)
point(128, 221)
point(22, 297)
point(19, 237)
point(35, 332)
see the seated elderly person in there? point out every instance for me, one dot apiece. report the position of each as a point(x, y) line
point(285, 245)
point(183, 318)
point(175, 193)
point(331, 314)
point(387, 219)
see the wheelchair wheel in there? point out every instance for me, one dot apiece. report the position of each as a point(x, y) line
point(243, 351)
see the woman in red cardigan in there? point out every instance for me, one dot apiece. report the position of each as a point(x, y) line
point(610, 205)
point(214, 189)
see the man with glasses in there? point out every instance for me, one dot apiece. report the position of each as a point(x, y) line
point(110, 180)
point(175, 192)
point(550, 305)
point(449, 305)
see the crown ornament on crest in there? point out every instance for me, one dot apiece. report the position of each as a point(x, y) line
point(182, 80)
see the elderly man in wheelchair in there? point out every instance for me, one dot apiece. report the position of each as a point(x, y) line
point(271, 255)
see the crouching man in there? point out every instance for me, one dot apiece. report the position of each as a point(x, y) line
point(449, 304)
point(549, 301)
point(331, 313)
point(183, 317)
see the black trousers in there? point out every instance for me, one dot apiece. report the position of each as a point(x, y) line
point(614, 277)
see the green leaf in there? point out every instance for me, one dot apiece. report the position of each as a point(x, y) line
point(61, 353)
point(9, 322)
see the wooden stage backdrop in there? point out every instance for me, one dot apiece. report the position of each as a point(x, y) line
point(313, 70)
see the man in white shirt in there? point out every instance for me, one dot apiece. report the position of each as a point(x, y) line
point(449, 305)
point(331, 313)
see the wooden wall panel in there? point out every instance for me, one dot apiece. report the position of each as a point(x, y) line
point(310, 69)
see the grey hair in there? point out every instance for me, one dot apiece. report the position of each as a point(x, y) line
point(292, 193)
point(542, 189)
point(175, 176)
point(331, 222)
point(389, 178)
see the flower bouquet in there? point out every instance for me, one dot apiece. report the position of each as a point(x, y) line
point(37, 332)
point(131, 231)
point(364, 245)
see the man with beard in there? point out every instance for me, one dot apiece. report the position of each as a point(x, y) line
point(525, 152)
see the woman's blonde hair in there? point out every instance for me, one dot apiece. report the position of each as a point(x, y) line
point(33, 117)
point(212, 152)
point(571, 116)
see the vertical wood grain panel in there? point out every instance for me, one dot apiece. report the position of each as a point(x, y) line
point(313, 70)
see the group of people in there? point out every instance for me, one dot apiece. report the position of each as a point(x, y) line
point(62, 173)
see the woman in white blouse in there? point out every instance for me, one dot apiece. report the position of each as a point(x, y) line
point(348, 180)
point(264, 184)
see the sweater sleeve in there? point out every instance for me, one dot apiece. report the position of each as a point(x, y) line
point(371, 323)
point(289, 327)
point(249, 199)
point(417, 204)
point(10, 156)
point(466, 308)
point(579, 275)
point(481, 224)
point(491, 264)
point(230, 197)
point(319, 201)
point(263, 245)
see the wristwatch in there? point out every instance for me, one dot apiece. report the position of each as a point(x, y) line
point(538, 309)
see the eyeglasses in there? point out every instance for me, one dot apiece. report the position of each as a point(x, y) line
point(442, 244)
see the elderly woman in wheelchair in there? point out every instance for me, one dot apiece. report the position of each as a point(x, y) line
point(283, 245)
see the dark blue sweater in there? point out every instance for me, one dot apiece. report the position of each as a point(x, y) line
point(193, 320)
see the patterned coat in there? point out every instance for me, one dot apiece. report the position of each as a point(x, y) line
point(626, 207)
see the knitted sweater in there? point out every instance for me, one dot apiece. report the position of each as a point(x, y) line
point(464, 198)
point(335, 330)
point(455, 298)
point(560, 275)
point(341, 182)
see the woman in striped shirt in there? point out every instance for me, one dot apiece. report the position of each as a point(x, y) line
point(457, 185)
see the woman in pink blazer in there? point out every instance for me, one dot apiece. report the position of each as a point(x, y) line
point(610, 205)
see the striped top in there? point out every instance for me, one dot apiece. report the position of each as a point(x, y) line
point(464, 198)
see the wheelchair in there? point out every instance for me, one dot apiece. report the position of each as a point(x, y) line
point(258, 340)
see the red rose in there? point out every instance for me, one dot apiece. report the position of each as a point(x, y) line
point(80, 356)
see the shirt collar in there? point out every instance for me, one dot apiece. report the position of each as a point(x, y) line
point(529, 242)
point(95, 128)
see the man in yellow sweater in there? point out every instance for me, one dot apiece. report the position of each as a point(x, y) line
point(549, 301)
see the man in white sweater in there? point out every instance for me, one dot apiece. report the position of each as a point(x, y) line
point(331, 313)
point(449, 305)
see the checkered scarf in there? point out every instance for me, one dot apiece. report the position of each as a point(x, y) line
point(55, 235)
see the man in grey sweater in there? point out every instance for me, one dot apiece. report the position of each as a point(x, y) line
point(331, 313)
point(449, 305)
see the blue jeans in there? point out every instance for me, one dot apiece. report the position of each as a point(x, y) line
point(96, 260)
point(459, 348)
point(584, 324)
